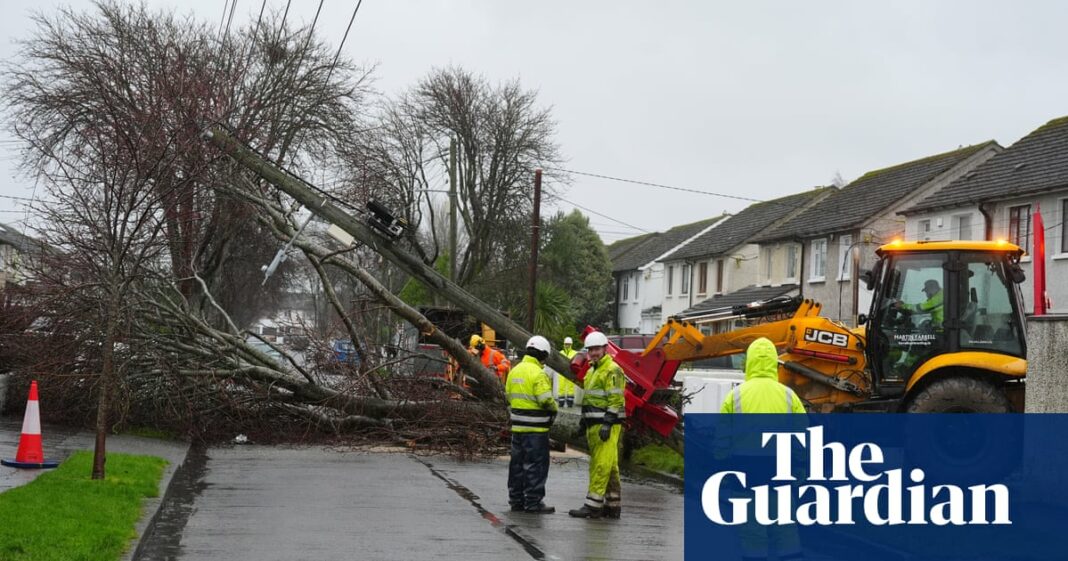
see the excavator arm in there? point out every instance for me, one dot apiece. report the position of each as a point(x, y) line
point(822, 360)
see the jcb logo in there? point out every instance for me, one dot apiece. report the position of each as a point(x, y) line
point(827, 337)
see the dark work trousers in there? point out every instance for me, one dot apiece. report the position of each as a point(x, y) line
point(528, 469)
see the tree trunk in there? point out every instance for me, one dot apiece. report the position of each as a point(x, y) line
point(107, 375)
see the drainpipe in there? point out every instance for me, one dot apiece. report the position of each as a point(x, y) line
point(690, 280)
point(988, 221)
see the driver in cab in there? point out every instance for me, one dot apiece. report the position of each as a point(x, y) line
point(932, 305)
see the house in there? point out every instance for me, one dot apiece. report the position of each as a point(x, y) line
point(640, 277)
point(723, 259)
point(997, 200)
point(15, 248)
point(836, 239)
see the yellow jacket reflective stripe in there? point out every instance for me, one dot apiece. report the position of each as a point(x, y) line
point(603, 390)
point(530, 397)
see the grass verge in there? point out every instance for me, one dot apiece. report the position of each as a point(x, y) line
point(65, 515)
point(658, 457)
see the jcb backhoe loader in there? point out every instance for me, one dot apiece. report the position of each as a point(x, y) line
point(945, 333)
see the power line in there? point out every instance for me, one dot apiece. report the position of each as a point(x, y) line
point(803, 206)
point(616, 220)
point(661, 185)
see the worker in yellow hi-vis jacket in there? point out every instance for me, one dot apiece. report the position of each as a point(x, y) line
point(565, 389)
point(603, 412)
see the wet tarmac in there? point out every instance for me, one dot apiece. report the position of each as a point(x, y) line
point(266, 503)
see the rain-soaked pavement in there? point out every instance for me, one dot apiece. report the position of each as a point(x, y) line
point(265, 503)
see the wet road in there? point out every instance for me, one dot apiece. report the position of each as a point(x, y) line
point(265, 503)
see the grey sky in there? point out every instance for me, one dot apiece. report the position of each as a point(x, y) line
point(757, 99)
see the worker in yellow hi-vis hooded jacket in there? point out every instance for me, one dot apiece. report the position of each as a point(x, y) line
point(763, 393)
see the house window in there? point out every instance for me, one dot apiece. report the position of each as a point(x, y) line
point(670, 278)
point(963, 226)
point(819, 260)
point(1020, 226)
point(923, 230)
point(626, 288)
point(702, 278)
point(767, 264)
point(719, 275)
point(685, 280)
point(791, 262)
point(637, 283)
point(1064, 226)
point(845, 261)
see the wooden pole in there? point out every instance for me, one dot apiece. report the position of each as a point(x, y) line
point(532, 297)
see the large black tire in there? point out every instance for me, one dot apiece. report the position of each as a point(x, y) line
point(961, 451)
point(960, 395)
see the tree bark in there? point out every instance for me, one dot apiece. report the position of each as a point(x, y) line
point(107, 375)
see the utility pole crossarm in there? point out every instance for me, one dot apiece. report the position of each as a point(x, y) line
point(322, 207)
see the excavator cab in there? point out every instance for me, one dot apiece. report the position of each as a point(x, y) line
point(946, 326)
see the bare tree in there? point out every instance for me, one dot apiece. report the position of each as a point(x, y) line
point(110, 104)
point(279, 86)
point(502, 137)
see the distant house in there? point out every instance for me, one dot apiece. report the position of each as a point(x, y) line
point(997, 201)
point(640, 277)
point(295, 314)
point(724, 260)
point(836, 239)
point(15, 248)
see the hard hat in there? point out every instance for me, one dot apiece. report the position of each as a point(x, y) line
point(539, 343)
point(476, 340)
point(568, 341)
point(595, 339)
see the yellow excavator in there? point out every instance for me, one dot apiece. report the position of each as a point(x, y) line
point(945, 334)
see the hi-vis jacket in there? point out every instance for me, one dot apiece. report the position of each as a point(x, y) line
point(602, 398)
point(530, 397)
point(762, 392)
point(495, 360)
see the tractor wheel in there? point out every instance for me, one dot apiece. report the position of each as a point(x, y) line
point(955, 448)
point(960, 395)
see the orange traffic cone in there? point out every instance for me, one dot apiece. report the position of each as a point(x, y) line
point(30, 454)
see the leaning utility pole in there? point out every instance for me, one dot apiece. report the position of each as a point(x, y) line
point(321, 206)
point(532, 298)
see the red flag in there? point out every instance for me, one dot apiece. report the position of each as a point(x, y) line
point(1039, 260)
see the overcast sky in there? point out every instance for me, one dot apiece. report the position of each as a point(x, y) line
point(748, 98)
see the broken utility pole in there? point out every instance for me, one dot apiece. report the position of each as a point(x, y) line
point(321, 206)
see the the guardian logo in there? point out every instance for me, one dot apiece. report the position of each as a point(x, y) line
point(812, 500)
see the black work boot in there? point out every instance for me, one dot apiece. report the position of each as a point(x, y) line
point(540, 508)
point(586, 512)
point(612, 512)
point(517, 508)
